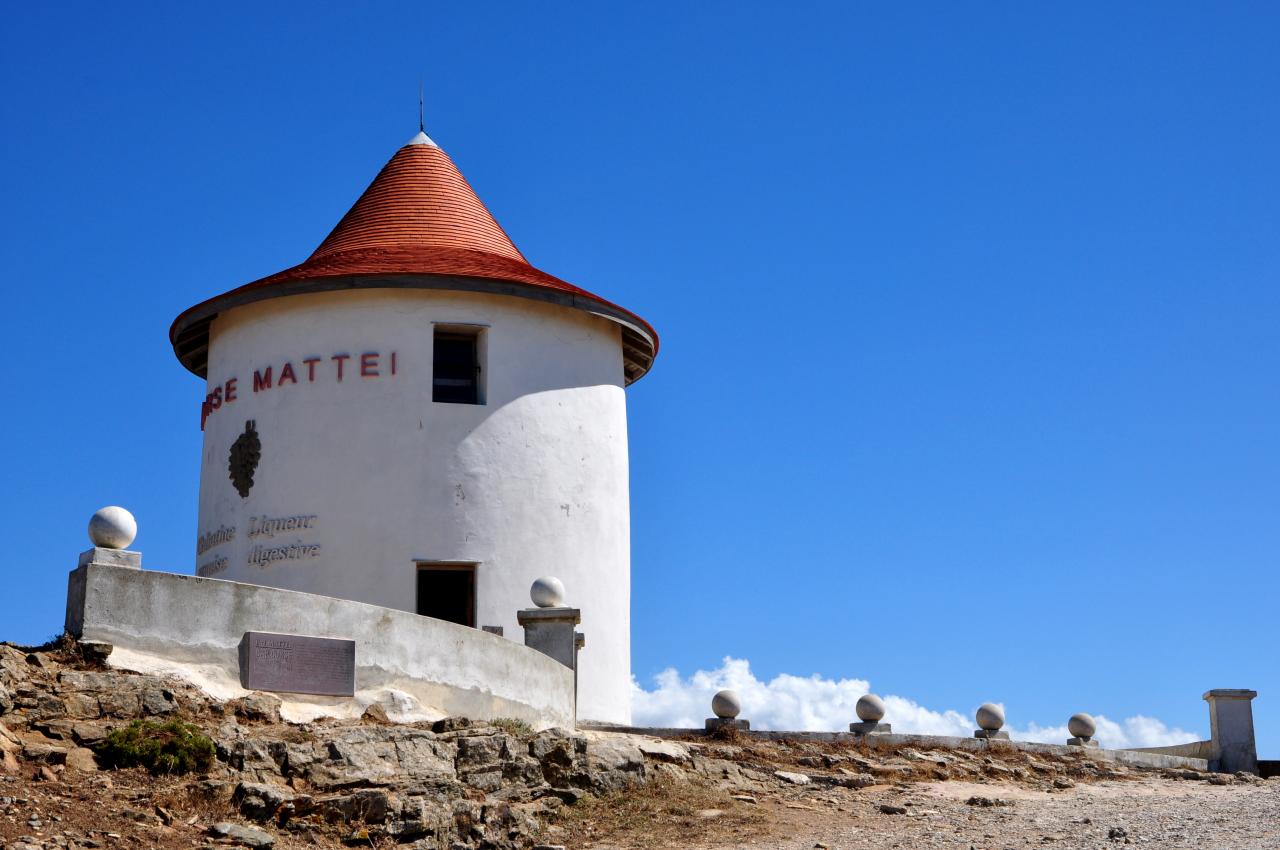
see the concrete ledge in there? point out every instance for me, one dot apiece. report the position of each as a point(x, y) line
point(1196, 750)
point(1129, 757)
point(188, 620)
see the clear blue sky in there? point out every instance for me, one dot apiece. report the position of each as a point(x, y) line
point(969, 312)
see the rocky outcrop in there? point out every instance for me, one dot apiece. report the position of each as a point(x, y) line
point(452, 783)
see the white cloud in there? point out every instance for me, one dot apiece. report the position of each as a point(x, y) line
point(817, 704)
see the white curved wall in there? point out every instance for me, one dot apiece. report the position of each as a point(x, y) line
point(533, 482)
point(441, 667)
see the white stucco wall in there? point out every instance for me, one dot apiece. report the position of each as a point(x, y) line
point(533, 482)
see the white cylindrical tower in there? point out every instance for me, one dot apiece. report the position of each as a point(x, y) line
point(417, 418)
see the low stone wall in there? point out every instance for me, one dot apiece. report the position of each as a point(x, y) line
point(165, 622)
point(1196, 750)
point(1137, 758)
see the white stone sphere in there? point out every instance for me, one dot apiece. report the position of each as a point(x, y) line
point(1082, 725)
point(990, 717)
point(112, 528)
point(870, 708)
point(726, 704)
point(547, 592)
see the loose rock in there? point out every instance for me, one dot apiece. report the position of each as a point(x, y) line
point(793, 778)
point(245, 835)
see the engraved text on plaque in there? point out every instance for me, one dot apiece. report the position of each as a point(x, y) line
point(298, 664)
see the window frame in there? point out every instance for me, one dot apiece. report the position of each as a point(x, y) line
point(478, 334)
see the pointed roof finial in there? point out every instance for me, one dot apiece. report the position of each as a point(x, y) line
point(422, 138)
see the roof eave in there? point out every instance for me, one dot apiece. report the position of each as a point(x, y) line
point(189, 333)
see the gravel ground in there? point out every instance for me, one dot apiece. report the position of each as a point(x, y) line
point(1152, 812)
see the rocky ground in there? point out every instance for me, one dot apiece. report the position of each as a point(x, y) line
point(456, 784)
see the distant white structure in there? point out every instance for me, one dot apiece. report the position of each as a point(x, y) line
point(417, 418)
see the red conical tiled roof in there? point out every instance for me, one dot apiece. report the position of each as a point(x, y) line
point(419, 200)
point(418, 225)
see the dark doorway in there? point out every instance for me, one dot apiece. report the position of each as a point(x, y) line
point(448, 593)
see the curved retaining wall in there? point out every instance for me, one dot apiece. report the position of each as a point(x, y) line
point(196, 621)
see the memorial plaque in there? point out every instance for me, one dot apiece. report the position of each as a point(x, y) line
point(298, 664)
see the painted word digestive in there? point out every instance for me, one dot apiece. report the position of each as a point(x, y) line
point(267, 527)
point(264, 556)
point(369, 365)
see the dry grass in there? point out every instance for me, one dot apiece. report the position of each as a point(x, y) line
point(206, 803)
point(664, 812)
point(516, 728)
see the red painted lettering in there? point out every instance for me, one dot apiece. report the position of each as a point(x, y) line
point(339, 359)
point(369, 364)
point(216, 397)
point(229, 390)
point(286, 374)
point(311, 368)
point(393, 362)
point(205, 410)
point(262, 381)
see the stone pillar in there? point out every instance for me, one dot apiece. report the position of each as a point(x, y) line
point(1231, 724)
point(726, 706)
point(1082, 727)
point(552, 632)
point(550, 628)
point(870, 709)
point(990, 719)
point(110, 530)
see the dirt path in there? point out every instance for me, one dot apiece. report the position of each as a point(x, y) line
point(1151, 812)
